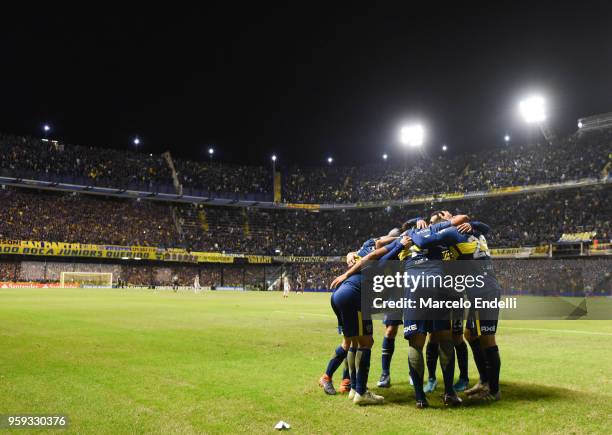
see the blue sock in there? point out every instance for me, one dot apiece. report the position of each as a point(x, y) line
point(447, 361)
point(335, 362)
point(480, 360)
point(462, 360)
point(388, 347)
point(416, 367)
point(362, 363)
point(493, 366)
point(431, 358)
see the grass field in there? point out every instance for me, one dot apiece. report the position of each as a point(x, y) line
point(134, 361)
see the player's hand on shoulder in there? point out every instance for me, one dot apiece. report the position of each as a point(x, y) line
point(406, 240)
point(464, 228)
point(421, 224)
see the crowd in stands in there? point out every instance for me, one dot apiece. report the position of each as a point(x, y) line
point(38, 159)
point(66, 217)
point(566, 277)
point(577, 157)
point(208, 179)
point(9, 270)
point(516, 220)
point(582, 155)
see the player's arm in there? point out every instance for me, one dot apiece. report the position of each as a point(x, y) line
point(393, 250)
point(384, 241)
point(446, 236)
point(470, 227)
point(374, 255)
point(458, 220)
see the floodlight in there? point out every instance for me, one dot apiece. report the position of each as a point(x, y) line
point(385, 156)
point(211, 151)
point(330, 160)
point(136, 141)
point(506, 138)
point(46, 127)
point(444, 147)
point(580, 124)
point(273, 157)
point(533, 109)
point(412, 135)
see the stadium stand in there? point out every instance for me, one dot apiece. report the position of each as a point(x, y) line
point(71, 217)
point(519, 220)
point(522, 219)
point(582, 155)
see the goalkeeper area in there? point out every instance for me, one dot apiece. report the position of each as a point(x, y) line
point(116, 361)
point(86, 279)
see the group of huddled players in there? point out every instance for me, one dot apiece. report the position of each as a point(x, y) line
point(424, 249)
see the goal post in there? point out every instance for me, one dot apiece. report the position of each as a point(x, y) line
point(87, 279)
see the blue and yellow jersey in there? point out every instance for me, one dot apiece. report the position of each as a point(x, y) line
point(420, 252)
point(456, 245)
point(367, 247)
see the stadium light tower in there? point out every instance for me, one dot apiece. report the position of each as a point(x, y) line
point(330, 160)
point(533, 111)
point(385, 157)
point(136, 141)
point(211, 152)
point(412, 135)
point(444, 147)
point(507, 138)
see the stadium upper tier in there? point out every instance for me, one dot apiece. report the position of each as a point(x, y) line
point(582, 155)
point(517, 220)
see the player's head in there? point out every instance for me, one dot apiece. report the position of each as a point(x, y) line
point(409, 224)
point(395, 232)
point(439, 216)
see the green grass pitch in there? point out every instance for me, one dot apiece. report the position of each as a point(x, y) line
point(138, 361)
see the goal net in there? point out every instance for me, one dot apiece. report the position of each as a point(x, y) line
point(86, 279)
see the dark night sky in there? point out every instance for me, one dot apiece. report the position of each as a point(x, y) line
point(304, 83)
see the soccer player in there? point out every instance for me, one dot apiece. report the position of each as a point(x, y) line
point(415, 329)
point(299, 287)
point(286, 286)
point(481, 324)
point(431, 349)
point(392, 325)
point(346, 351)
point(196, 283)
point(417, 323)
point(346, 302)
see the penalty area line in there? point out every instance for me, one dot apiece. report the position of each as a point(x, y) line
point(564, 331)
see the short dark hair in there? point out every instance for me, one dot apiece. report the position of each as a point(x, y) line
point(410, 223)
